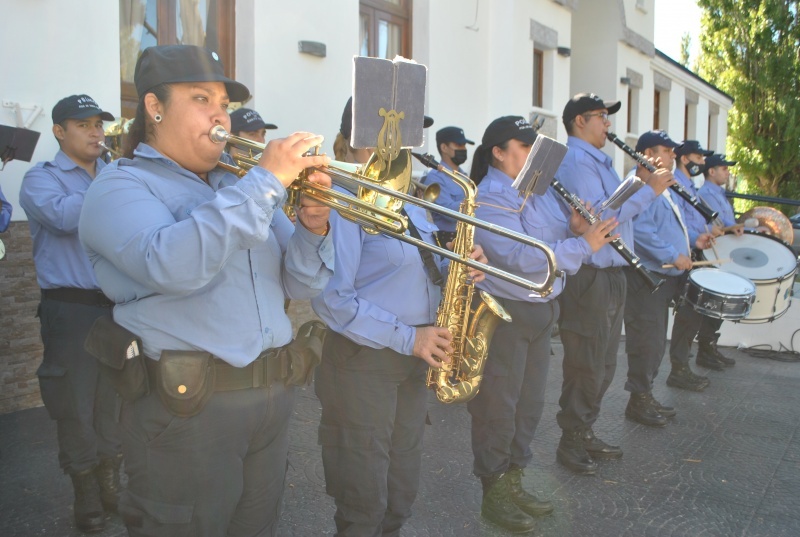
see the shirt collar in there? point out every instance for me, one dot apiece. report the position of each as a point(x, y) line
point(64, 163)
point(493, 174)
point(146, 151)
point(598, 155)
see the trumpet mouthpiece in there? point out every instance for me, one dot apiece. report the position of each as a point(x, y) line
point(218, 134)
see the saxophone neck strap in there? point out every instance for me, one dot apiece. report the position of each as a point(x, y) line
point(427, 257)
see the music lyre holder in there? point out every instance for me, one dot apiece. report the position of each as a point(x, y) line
point(16, 144)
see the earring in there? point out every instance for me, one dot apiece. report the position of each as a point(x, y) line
point(157, 118)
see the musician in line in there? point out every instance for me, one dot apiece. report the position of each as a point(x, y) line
point(691, 158)
point(593, 300)
point(716, 173)
point(452, 145)
point(380, 307)
point(247, 123)
point(198, 264)
point(507, 409)
point(78, 398)
point(661, 238)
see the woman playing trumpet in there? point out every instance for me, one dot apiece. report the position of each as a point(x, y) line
point(199, 264)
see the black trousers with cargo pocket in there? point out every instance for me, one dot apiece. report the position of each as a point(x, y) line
point(374, 404)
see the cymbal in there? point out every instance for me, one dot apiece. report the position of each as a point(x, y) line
point(777, 223)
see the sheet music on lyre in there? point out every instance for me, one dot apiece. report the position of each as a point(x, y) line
point(540, 167)
point(624, 191)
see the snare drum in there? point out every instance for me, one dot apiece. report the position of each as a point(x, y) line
point(719, 294)
point(765, 260)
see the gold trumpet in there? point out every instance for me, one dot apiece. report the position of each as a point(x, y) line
point(426, 192)
point(380, 191)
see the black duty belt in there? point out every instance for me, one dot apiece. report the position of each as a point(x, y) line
point(88, 297)
point(605, 269)
point(270, 366)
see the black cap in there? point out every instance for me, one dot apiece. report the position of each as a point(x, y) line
point(718, 159)
point(78, 107)
point(692, 146)
point(247, 119)
point(452, 134)
point(166, 64)
point(346, 126)
point(506, 128)
point(587, 102)
point(653, 138)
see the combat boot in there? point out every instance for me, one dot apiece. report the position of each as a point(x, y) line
point(107, 473)
point(709, 349)
point(572, 454)
point(89, 516)
point(498, 507)
point(598, 449)
point(641, 410)
point(683, 378)
point(664, 410)
point(523, 499)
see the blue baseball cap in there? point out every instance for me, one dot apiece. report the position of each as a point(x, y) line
point(718, 159)
point(692, 146)
point(247, 119)
point(653, 138)
point(78, 107)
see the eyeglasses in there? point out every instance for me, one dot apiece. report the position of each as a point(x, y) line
point(601, 115)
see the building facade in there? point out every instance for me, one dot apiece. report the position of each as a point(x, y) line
point(485, 58)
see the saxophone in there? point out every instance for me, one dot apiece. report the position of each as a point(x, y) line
point(471, 326)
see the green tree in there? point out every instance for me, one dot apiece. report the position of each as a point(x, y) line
point(751, 50)
point(686, 45)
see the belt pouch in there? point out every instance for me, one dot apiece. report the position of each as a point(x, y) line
point(305, 353)
point(185, 381)
point(119, 352)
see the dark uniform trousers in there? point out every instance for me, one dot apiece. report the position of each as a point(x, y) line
point(374, 404)
point(685, 326)
point(709, 326)
point(592, 306)
point(218, 473)
point(646, 319)
point(81, 400)
point(507, 409)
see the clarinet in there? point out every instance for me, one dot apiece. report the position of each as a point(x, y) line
point(652, 280)
point(708, 213)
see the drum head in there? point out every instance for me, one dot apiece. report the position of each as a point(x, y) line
point(754, 256)
point(723, 283)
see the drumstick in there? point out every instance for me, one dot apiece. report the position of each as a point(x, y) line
point(701, 263)
point(712, 243)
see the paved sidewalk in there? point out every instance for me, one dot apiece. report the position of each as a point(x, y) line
point(727, 465)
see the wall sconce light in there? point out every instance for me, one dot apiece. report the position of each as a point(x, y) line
point(564, 51)
point(313, 48)
point(625, 80)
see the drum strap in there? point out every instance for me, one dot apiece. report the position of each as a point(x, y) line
point(677, 212)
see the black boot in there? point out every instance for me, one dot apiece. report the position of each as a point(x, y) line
point(682, 377)
point(641, 410)
point(664, 410)
point(523, 499)
point(89, 516)
point(706, 358)
point(598, 449)
point(497, 506)
point(108, 478)
point(708, 349)
point(573, 455)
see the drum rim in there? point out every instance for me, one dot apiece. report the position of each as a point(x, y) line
point(767, 236)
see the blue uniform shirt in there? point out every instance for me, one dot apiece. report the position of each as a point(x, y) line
point(714, 196)
point(587, 172)
point(52, 196)
point(380, 290)
point(543, 218)
point(659, 236)
point(5, 212)
point(450, 196)
point(695, 223)
point(196, 266)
